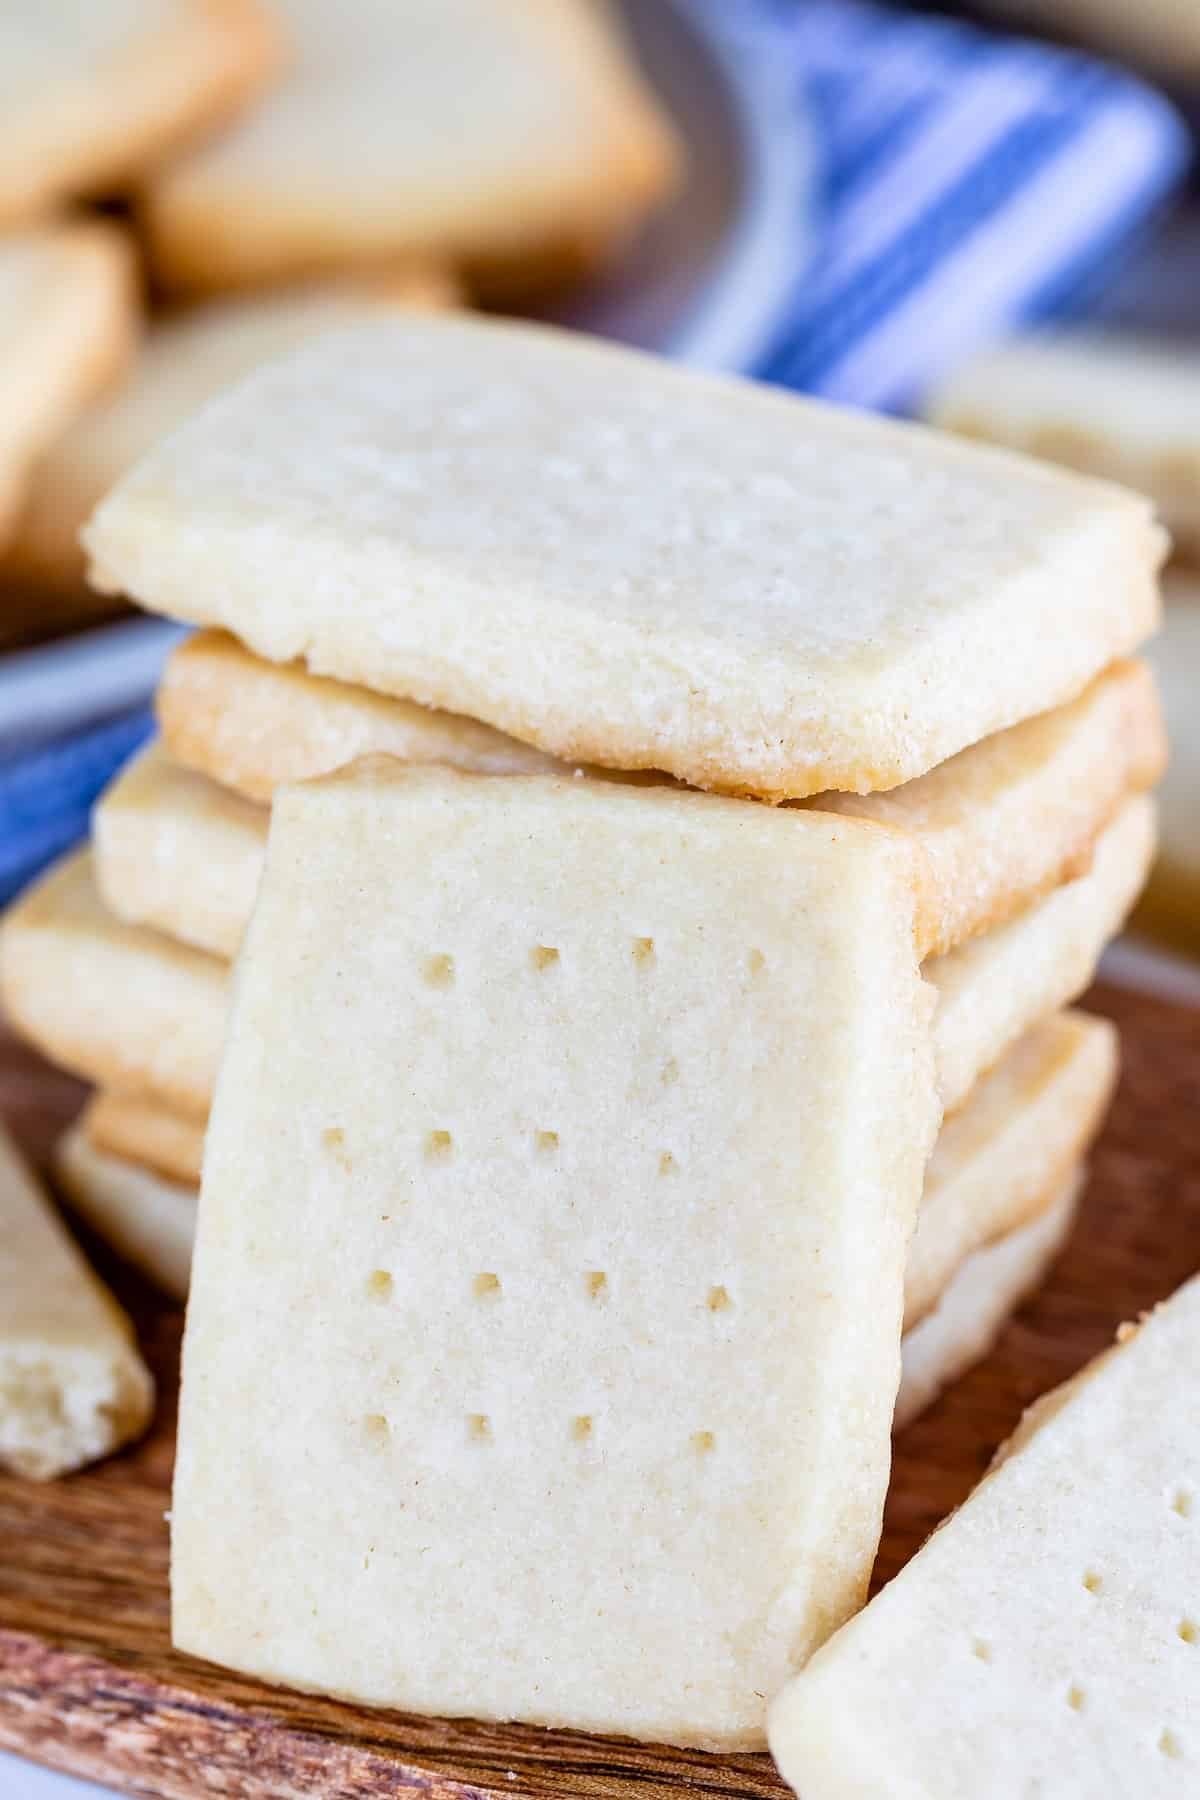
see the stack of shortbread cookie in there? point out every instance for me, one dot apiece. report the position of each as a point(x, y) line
point(574, 1134)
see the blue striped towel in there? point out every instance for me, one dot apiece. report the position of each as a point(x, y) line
point(970, 182)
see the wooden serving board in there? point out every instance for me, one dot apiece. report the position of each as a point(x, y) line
point(89, 1682)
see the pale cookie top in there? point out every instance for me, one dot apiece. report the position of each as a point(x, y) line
point(627, 563)
point(474, 129)
point(1045, 1640)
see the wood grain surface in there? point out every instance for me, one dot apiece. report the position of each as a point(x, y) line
point(89, 1682)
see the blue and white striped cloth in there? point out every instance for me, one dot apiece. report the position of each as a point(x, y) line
point(970, 182)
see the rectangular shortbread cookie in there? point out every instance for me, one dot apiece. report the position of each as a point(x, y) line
point(72, 1385)
point(183, 363)
point(1000, 823)
point(68, 317)
point(979, 1300)
point(562, 1127)
point(1104, 403)
point(993, 1167)
point(146, 1217)
point(1044, 1641)
point(557, 147)
point(628, 563)
point(91, 95)
point(150, 1217)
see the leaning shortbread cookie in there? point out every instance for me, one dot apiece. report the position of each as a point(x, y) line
point(535, 1152)
point(183, 363)
point(557, 147)
point(1105, 403)
point(1026, 1124)
point(68, 317)
point(978, 1302)
point(91, 95)
point(1044, 1640)
point(628, 563)
point(72, 1385)
point(1000, 823)
point(148, 1219)
point(115, 1003)
point(1172, 901)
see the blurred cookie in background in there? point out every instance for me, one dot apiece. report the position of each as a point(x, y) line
point(517, 141)
point(1161, 35)
point(183, 362)
point(1107, 403)
point(1171, 904)
point(68, 322)
point(92, 96)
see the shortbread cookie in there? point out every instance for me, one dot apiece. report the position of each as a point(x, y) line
point(143, 1131)
point(1023, 1129)
point(1105, 403)
point(997, 986)
point(68, 317)
point(91, 96)
point(1000, 823)
point(1172, 902)
point(980, 1299)
point(115, 1003)
point(556, 146)
point(1044, 1641)
point(625, 562)
point(147, 1219)
point(72, 1385)
point(535, 1152)
point(183, 363)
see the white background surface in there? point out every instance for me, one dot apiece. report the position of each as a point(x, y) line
point(22, 1781)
